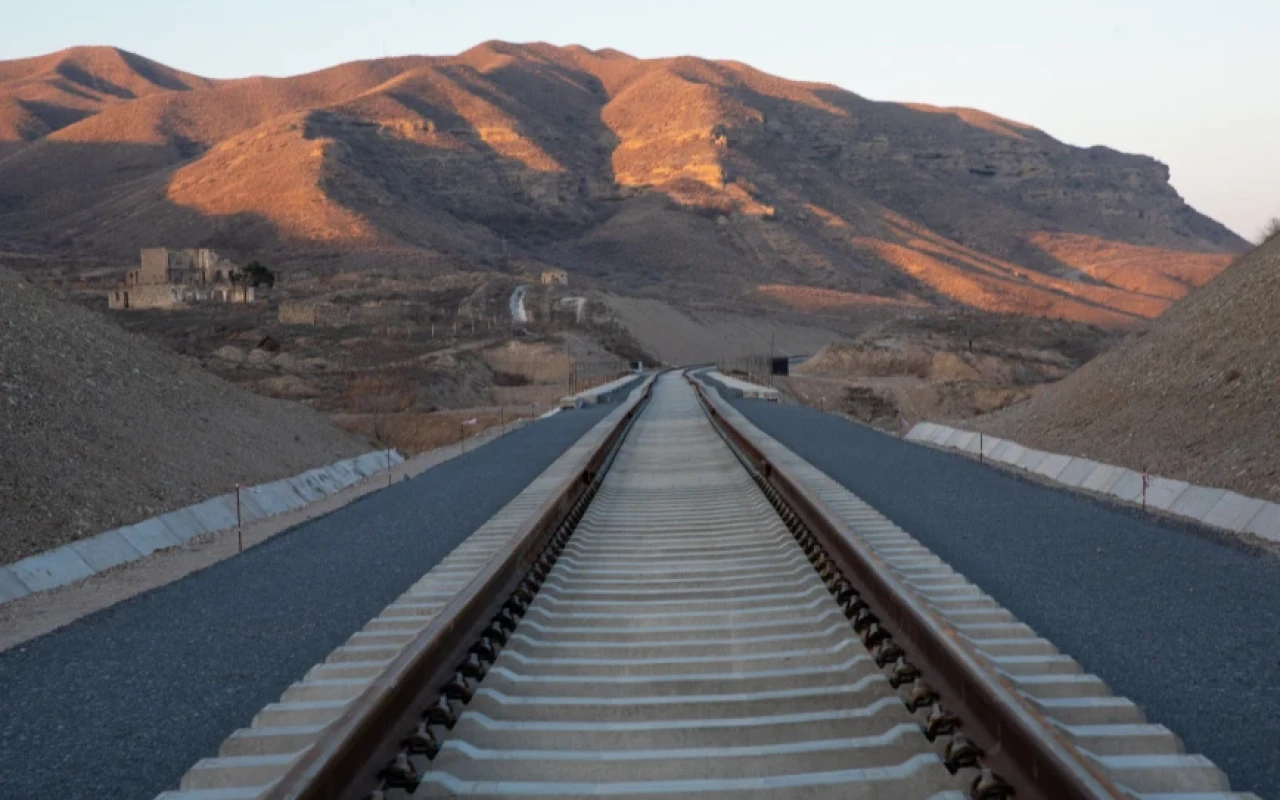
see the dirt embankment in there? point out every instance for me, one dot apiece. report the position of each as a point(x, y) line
point(101, 428)
point(941, 367)
point(1196, 397)
point(677, 336)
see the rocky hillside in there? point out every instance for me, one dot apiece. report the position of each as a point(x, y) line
point(1194, 397)
point(674, 177)
point(101, 428)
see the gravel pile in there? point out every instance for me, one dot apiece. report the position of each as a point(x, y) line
point(1196, 397)
point(100, 428)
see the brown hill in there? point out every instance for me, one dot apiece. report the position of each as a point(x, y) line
point(48, 93)
point(100, 428)
point(1194, 397)
point(675, 177)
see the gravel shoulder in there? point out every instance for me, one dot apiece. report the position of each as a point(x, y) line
point(1185, 624)
point(120, 703)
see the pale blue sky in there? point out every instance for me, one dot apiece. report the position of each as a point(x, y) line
point(1191, 83)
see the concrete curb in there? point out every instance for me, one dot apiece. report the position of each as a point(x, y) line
point(739, 388)
point(80, 559)
point(605, 393)
point(1217, 508)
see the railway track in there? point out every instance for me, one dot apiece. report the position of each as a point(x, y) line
point(696, 616)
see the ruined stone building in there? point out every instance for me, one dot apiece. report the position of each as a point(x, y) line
point(176, 278)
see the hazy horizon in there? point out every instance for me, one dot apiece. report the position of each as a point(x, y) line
point(1172, 86)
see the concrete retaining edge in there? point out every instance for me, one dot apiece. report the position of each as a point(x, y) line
point(607, 393)
point(1217, 508)
point(740, 388)
point(81, 559)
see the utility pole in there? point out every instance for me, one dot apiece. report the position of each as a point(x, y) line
point(771, 360)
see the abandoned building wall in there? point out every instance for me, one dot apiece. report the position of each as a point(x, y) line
point(172, 295)
point(554, 277)
point(144, 296)
point(155, 266)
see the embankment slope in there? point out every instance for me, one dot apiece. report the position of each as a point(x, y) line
point(1196, 396)
point(101, 428)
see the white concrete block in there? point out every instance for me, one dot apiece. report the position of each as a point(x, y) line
point(266, 501)
point(343, 473)
point(1266, 523)
point(1127, 486)
point(920, 431)
point(182, 524)
point(149, 536)
point(1234, 511)
point(1031, 459)
point(1077, 472)
point(328, 481)
point(997, 451)
point(1012, 454)
point(989, 445)
point(1162, 493)
point(1102, 478)
point(941, 434)
point(215, 514)
point(1052, 465)
point(304, 490)
point(972, 444)
point(51, 568)
point(309, 484)
point(280, 496)
point(377, 461)
point(1197, 501)
point(106, 550)
point(10, 587)
point(957, 436)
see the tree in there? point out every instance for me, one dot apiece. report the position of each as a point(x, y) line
point(1271, 230)
point(254, 274)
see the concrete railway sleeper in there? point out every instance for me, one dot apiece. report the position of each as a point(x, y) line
point(701, 623)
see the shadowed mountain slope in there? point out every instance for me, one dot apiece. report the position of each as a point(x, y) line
point(672, 177)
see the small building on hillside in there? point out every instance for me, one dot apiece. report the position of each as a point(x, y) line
point(554, 277)
point(176, 278)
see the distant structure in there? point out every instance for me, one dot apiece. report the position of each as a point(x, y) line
point(554, 277)
point(176, 278)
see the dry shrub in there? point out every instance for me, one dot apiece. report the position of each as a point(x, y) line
point(377, 394)
point(1271, 230)
point(412, 433)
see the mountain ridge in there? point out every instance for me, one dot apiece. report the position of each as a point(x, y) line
point(676, 176)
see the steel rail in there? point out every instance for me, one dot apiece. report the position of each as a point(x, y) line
point(1018, 743)
point(345, 761)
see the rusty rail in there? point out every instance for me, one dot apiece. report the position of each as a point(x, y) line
point(1018, 743)
point(345, 761)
